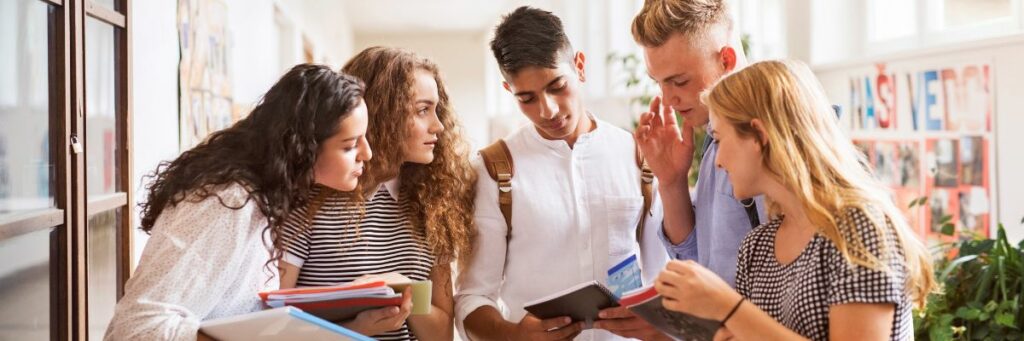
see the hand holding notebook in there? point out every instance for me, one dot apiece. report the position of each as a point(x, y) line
point(345, 302)
point(584, 301)
point(381, 320)
point(581, 303)
point(646, 303)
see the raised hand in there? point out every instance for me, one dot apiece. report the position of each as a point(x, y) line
point(667, 148)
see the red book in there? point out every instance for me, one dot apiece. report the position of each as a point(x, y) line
point(335, 303)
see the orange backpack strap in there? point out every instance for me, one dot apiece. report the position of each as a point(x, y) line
point(646, 189)
point(498, 161)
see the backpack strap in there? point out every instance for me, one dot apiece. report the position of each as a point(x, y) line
point(646, 189)
point(751, 206)
point(498, 161)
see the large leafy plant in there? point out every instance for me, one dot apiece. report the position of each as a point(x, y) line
point(982, 286)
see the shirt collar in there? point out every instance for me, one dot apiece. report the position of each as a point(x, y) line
point(562, 145)
point(392, 187)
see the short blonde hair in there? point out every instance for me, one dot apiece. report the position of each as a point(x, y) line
point(660, 19)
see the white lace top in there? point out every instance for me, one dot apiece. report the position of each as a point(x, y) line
point(203, 261)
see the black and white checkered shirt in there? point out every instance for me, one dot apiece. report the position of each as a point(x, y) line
point(800, 294)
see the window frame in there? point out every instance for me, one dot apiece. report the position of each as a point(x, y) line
point(69, 218)
point(929, 35)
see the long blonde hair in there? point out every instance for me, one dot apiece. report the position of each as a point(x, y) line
point(440, 193)
point(807, 152)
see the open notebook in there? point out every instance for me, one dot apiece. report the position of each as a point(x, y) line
point(581, 302)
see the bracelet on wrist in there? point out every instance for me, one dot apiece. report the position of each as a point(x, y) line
point(733, 311)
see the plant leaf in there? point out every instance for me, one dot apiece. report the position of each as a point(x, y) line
point(976, 247)
point(968, 313)
point(948, 229)
point(942, 329)
point(954, 264)
point(1005, 319)
point(991, 306)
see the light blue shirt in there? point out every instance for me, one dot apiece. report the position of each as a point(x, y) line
point(721, 221)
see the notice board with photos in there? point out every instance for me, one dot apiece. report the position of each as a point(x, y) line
point(927, 131)
point(205, 91)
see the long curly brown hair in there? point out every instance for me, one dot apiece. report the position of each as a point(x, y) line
point(440, 193)
point(271, 152)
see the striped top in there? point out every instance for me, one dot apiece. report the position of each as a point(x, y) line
point(334, 250)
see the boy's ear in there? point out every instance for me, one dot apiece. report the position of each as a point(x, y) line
point(507, 87)
point(727, 56)
point(580, 63)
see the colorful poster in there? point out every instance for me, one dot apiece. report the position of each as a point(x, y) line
point(204, 77)
point(927, 133)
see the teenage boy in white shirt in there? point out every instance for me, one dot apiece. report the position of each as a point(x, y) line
point(577, 199)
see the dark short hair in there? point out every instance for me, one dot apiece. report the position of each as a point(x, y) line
point(530, 37)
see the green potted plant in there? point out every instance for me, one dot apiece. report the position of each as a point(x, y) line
point(982, 284)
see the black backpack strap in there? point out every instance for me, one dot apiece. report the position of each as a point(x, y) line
point(751, 206)
point(748, 204)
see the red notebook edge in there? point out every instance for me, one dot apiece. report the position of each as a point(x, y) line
point(638, 297)
point(316, 290)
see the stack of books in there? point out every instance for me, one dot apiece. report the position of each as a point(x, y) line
point(335, 303)
point(343, 302)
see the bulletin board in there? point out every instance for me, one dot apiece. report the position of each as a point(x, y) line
point(205, 101)
point(927, 133)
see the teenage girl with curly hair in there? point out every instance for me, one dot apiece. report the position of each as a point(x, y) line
point(417, 216)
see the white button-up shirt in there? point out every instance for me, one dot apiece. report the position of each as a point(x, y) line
point(574, 215)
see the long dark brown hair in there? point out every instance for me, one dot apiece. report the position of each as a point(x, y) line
point(270, 153)
point(440, 193)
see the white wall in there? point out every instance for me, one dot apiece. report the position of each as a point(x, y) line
point(258, 56)
point(155, 94)
point(1008, 71)
point(461, 58)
